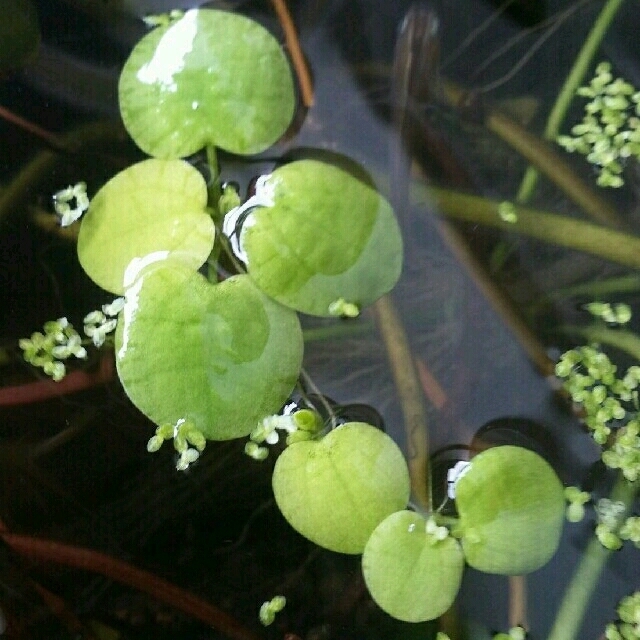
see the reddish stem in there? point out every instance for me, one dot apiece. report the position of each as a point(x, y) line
point(47, 389)
point(40, 549)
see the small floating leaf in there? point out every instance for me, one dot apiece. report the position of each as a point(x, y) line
point(150, 211)
point(221, 356)
point(336, 490)
point(327, 236)
point(511, 507)
point(210, 78)
point(410, 575)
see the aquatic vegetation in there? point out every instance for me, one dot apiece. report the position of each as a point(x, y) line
point(609, 134)
point(209, 355)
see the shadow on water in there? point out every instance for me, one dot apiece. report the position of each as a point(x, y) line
point(74, 467)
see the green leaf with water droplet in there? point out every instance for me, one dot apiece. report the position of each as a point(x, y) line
point(326, 236)
point(336, 490)
point(511, 507)
point(151, 211)
point(210, 78)
point(221, 356)
point(408, 574)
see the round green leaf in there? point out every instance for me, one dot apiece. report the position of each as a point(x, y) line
point(222, 356)
point(511, 507)
point(210, 78)
point(336, 490)
point(410, 575)
point(324, 235)
point(151, 211)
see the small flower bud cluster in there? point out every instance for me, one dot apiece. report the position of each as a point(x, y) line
point(299, 425)
point(59, 342)
point(611, 313)
point(183, 433)
point(628, 627)
point(576, 499)
point(340, 308)
point(98, 324)
point(269, 609)
point(609, 515)
point(163, 19)
point(609, 133)
point(62, 203)
point(434, 532)
point(608, 401)
point(630, 530)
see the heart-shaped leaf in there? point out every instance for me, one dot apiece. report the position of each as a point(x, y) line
point(336, 490)
point(410, 574)
point(210, 78)
point(220, 356)
point(151, 211)
point(325, 236)
point(511, 506)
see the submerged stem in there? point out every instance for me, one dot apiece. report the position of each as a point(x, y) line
point(585, 579)
point(571, 84)
point(618, 247)
point(411, 399)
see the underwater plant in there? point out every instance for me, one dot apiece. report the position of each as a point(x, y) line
point(209, 355)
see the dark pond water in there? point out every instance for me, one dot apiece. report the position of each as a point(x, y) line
point(74, 466)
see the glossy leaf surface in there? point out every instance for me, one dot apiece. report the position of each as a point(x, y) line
point(511, 506)
point(210, 78)
point(150, 211)
point(223, 356)
point(335, 491)
point(410, 575)
point(326, 235)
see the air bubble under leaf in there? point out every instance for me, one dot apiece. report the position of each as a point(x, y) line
point(327, 236)
point(150, 211)
point(410, 575)
point(336, 490)
point(220, 356)
point(511, 507)
point(210, 78)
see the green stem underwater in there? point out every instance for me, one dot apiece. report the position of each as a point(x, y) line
point(585, 579)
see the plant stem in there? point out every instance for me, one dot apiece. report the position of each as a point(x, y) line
point(576, 234)
point(622, 339)
point(295, 50)
point(584, 581)
point(544, 157)
point(571, 84)
point(411, 399)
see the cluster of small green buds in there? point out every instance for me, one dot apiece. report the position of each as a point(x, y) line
point(183, 433)
point(46, 350)
point(630, 530)
point(230, 199)
point(628, 627)
point(340, 308)
point(617, 314)
point(576, 499)
point(590, 379)
point(163, 19)
point(624, 451)
point(299, 425)
point(609, 133)
point(507, 212)
point(515, 633)
point(435, 533)
point(98, 324)
point(269, 609)
point(63, 199)
point(609, 516)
